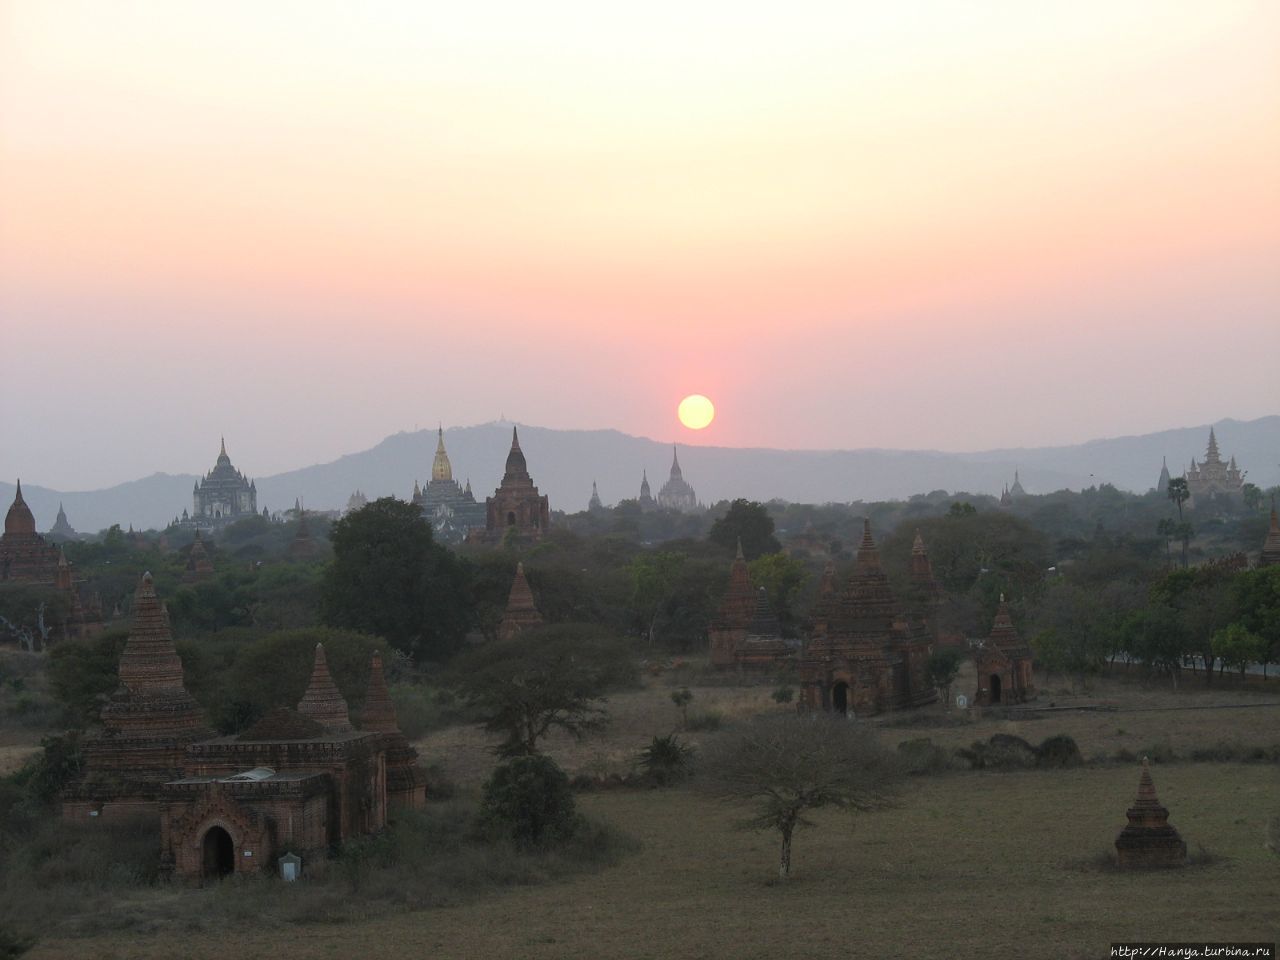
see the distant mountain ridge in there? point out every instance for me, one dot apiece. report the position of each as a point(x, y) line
point(564, 463)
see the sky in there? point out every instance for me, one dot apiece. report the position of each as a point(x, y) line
point(307, 225)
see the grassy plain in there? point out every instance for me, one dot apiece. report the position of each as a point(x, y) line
point(999, 865)
point(971, 863)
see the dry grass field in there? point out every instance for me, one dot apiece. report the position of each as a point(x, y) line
point(1000, 865)
point(1130, 716)
point(993, 864)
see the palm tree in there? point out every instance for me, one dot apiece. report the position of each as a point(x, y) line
point(1179, 493)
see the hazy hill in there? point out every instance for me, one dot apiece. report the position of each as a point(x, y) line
point(564, 462)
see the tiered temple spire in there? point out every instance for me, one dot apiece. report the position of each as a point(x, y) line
point(521, 612)
point(323, 702)
point(1149, 840)
point(1271, 546)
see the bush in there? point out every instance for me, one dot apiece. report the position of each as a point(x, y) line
point(705, 720)
point(923, 756)
point(783, 695)
point(1001, 752)
point(439, 785)
point(529, 800)
point(666, 760)
point(12, 944)
point(1059, 751)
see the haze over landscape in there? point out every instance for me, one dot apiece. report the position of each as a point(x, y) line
point(354, 602)
point(908, 226)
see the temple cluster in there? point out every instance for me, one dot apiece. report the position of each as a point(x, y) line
point(298, 781)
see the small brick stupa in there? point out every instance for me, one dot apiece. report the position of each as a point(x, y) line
point(199, 566)
point(1271, 546)
point(728, 627)
point(323, 702)
point(406, 781)
point(521, 612)
point(1149, 841)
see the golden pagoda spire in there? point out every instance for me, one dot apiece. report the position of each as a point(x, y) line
point(441, 469)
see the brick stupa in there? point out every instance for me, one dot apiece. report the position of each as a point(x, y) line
point(323, 702)
point(406, 781)
point(147, 724)
point(729, 627)
point(199, 566)
point(1149, 841)
point(1271, 546)
point(521, 613)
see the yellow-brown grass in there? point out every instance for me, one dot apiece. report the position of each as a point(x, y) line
point(970, 865)
point(998, 865)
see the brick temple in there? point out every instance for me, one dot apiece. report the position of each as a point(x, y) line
point(867, 653)
point(300, 781)
point(24, 554)
point(516, 509)
point(1003, 664)
point(745, 633)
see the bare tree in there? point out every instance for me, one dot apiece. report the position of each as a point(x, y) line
point(786, 766)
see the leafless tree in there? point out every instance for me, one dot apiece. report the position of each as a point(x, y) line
point(787, 766)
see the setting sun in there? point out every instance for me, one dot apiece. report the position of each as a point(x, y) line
point(696, 411)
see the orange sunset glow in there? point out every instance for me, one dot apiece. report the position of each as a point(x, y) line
point(933, 225)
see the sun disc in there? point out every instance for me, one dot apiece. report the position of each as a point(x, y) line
point(696, 411)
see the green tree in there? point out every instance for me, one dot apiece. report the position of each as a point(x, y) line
point(1156, 636)
point(944, 664)
point(1252, 495)
point(653, 578)
point(1179, 493)
point(782, 577)
point(1257, 596)
point(1167, 528)
point(82, 673)
point(553, 677)
point(1203, 601)
point(1075, 632)
point(273, 671)
point(528, 798)
point(1184, 532)
point(747, 522)
point(1237, 646)
point(786, 767)
point(390, 579)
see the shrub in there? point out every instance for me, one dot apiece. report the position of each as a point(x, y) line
point(783, 694)
point(1059, 751)
point(439, 785)
point(12, 944)
point(705, 720)
point(666, 760)
point(682, 698)
point(1001, 752)
point(529, 799)
point(923, 756)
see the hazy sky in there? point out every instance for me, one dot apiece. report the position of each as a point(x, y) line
point(948, 225)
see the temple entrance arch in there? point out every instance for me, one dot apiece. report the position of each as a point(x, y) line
point(995, 688)
point(219, 853)
point(840, 698)
point(511, 519)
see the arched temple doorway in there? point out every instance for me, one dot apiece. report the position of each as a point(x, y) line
point(995, 688)
point(840, 698)
point(219, 853)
